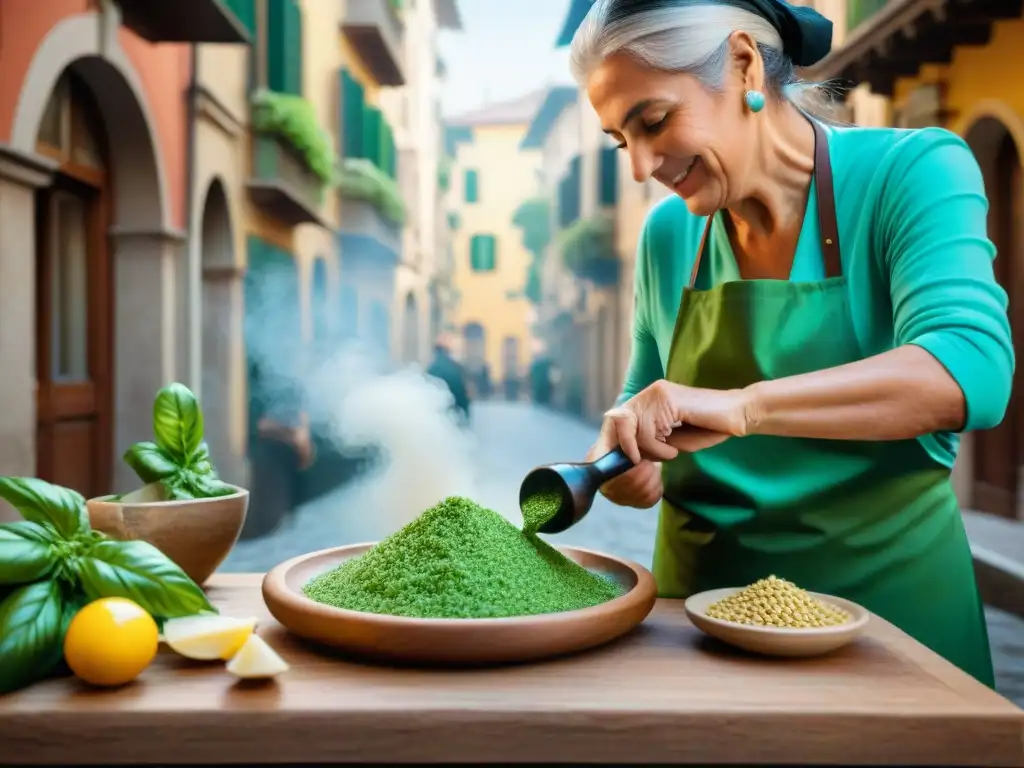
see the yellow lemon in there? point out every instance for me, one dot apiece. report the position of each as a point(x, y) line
point(111, 641)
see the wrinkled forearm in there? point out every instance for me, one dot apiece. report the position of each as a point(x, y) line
point(897, 395)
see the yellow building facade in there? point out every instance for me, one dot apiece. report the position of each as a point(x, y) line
point(491, 177)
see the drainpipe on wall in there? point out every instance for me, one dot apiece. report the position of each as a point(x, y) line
point(193, 279)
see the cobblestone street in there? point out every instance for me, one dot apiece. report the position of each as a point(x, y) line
point(512, 438)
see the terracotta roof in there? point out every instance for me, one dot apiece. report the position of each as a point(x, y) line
point(512, 112)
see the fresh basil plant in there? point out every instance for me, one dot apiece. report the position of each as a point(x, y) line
point(52, 563)
point(179, 459)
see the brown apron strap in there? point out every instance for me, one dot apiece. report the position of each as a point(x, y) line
point(827, 223)
point(700, 251)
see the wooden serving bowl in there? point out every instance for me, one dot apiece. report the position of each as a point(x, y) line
point(197, 534)
point(777, 641)
point(456, 642)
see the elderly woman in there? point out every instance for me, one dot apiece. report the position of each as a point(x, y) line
point(816, 320)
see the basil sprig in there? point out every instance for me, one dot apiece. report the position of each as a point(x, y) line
point(52, 563)
point(178, 458)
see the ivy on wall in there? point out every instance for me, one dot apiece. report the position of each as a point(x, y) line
point(533, 218)
point(587, 247)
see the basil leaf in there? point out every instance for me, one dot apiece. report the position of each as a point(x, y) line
point(177, 422)
point(176, 486)
point(26, 552)
point(74, 601)
point(139, 571)
point(201, 463)
point(210, 487)
point(41, 502)
point(31, 639)
point(150, 462)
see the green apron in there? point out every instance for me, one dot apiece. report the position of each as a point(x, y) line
point(874, 522)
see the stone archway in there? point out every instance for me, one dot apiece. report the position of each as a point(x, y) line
point(221, 309)
point(996, 456)
point(147, 344)
point(410, 330)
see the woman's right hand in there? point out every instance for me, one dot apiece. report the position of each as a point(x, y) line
point(640, 487)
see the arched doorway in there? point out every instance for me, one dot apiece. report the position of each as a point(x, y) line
point(999, 453)
point(220, 312)
point(410, 330)
point(136, 239)
point(74, 398)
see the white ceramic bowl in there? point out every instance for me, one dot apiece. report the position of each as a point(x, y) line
point(777, 641)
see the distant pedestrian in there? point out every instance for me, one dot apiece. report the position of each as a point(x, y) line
point(447, 369)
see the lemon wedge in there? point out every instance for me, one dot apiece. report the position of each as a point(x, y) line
point(205, 638)
point(256, 660)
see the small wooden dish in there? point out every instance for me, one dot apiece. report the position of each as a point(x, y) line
point(456, 642)
point(777, 641)
point(197, 534)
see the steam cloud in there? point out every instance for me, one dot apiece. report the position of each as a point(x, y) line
point(358, 401)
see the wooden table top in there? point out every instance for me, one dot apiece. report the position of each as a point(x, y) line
point(665, 693)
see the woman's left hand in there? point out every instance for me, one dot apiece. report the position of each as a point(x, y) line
point(665, 418)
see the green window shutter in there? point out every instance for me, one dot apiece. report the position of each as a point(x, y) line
point(284, 46)
point(389, 159)
point(293, 48)
point(275, 44)
point(483, 256)
point(371, 134)
point(472, 184)
point(474, 253)
point(492, 263)
point(245, 12)
point(352, 104)
point(608, 191)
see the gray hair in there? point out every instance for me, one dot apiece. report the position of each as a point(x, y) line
point(692, 38)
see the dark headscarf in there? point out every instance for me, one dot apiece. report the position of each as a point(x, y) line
point(806, 34)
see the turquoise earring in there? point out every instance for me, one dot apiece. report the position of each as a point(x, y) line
point(755, 100)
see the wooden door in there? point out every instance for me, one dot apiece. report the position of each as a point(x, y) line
point(998, 452)
point(72, 338)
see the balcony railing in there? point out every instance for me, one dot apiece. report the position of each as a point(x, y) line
point(185, 21)
point(374, 29)
point(282, 183)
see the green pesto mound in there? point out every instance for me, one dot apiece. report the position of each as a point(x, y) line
point(459, 560)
